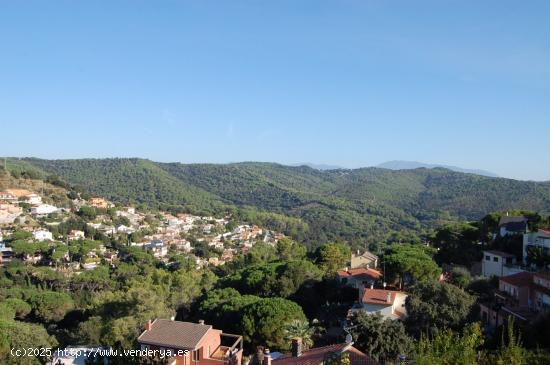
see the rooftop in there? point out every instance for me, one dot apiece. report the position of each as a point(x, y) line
point(174, 334)
point(519, 279)
point(499, 253)
point(378, 296)
point(367, 273)
point(316, 356)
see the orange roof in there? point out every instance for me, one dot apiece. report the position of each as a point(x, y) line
point(361, 272)
point(378, 296)
point(316, 356)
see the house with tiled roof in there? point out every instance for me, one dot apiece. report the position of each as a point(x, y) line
point(318, 355)
point(365, 259)
point(194, 343)
point(539, 239)
point(390, 304)
point(522, 295)
point(359, 277)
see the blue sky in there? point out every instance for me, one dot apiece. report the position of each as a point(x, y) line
point(349, 83)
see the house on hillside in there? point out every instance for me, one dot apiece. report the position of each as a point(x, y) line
point(76, 234)
point(6, 254)
point(315, 356)
point(498, 263)
point(98, 202)
point(42, 235)
point(540, 239)
point(509, 225)
point(195, 343)
point(7, 197)
point(33, 199)
point(43, 209)
point(390, 304)
point(365, 259)
point(359, 278)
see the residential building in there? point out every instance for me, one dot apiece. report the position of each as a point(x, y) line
point(316, 355)
point(541, 239)
point(76, 234)
point(157, 248)
point(201, 343)
point(365, 259)
point(359, 277)
point(390, 304)
point(98, 202)
point(6, 254)
point(33, 199)
point(512, 225)
point(522, 295)
point(498, 263)
point(43, 209)
point(42, 235)
point(7, 196)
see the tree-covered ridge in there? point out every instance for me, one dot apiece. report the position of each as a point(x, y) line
point(359, 206)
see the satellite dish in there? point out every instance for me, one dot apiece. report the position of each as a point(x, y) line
point(349, 339)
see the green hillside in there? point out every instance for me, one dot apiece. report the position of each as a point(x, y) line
point(360, 206)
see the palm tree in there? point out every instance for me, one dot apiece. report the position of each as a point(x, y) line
point(301, 329)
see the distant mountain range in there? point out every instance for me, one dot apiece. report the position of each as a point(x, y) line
point(366, 205)
point(410, 165)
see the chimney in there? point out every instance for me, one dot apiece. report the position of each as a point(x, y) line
point(267, 357)
point(148, 325)
point(388, 297)
point(371, 285)
point(201, 321)
point(296, 347)
point(347, 269)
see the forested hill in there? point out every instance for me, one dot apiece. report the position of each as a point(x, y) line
point(361, 205)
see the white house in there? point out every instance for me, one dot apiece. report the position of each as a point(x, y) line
point(390, 304)
point(125, 230)
point(76, 234)
point(33, 199)
point(43, 209)
point(541, 239)
point(498, 263)
point(42, 235)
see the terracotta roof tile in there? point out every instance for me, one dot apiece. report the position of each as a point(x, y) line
point(378, 296)
point(316, 356)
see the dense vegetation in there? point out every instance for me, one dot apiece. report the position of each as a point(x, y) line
point(362, 206)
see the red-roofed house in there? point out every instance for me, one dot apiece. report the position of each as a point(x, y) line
point(360, 277)
point(390, 304)
point(200, 343)
point(318, 355)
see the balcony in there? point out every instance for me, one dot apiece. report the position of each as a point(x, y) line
point(228, 350)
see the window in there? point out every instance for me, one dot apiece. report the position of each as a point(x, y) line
point(196, 355)
point(487, 258)
point(495, 259)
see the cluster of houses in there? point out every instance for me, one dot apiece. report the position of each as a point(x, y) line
point(374, 296)
point(169, 232)
point(524, 287)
